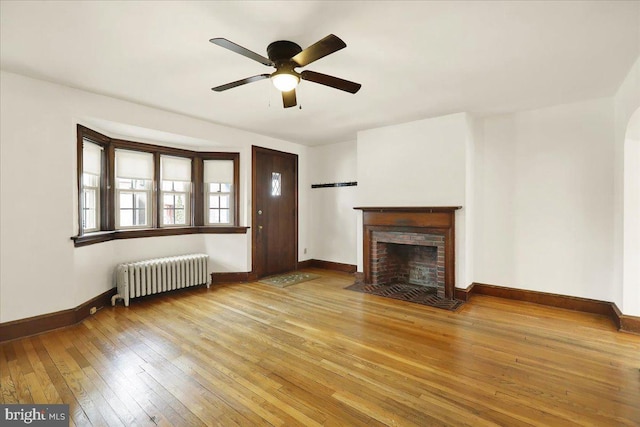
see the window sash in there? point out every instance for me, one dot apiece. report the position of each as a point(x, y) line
point(90, 219)
point(171, 212)
point(214, 215)
point(140, 216)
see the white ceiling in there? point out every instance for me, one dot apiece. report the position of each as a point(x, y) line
point(414, 59)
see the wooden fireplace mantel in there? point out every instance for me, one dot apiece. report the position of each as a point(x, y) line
point(426, 209)
point(429, 219)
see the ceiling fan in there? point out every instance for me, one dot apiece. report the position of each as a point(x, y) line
point(285, 56)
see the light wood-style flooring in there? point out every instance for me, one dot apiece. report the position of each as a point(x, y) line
point(316, 354)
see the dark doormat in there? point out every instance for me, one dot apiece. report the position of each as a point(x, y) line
point(424, 295)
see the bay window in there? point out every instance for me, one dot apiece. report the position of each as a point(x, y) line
point(129, 189)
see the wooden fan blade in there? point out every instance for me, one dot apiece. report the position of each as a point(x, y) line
point(241, 82)
point(331, 81)
point(289, 98)
point(319, 50)
point(242, 51)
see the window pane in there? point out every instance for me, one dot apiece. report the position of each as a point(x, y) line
point(167, 217)
point(141, 216)
point(180, 217)
point(224, 216)
point(168, 201)
point(142, 184)
point(89, 199)
point(181, 186)
point(141, 200)
point(214, 201)
point(214, 216)
point(89, 220)
point(224, 202)
point(167, 185)
point(275, 183)
point(226, 188)
point(90, 180)
point(126, 201)
point(125, 184)
point(214, 188)
point(141, 211)
point(126, 217)
point(179, 201)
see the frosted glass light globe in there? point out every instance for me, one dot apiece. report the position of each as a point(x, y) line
point(285, 82)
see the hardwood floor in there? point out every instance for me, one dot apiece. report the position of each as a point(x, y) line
point(316, 354)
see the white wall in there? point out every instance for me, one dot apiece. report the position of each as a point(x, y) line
point(627, 190)
point(545, 200)
point(631, 224)
point(333, 235)
point(421, 163)
point(40, 270)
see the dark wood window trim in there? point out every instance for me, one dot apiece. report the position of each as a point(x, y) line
point(108, 229)
point(104, 142)
point(106, 236)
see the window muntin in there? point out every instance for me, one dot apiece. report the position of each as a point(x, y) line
point(175, 188)
point(218, 179)
point(90, 186)
point(134, 179)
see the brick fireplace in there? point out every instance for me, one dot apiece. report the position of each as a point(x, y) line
point(412, 245)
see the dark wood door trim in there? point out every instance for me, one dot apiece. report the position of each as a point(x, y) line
point(255, 150)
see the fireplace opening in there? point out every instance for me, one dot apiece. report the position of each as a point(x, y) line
point(408, 258)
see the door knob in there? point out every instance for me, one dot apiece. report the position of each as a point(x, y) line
point(259, 211)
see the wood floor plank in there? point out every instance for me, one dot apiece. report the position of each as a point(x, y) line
point(9, 395)
point(93, 404)
point(76, 410)
point(317, 354)
point(43, 381)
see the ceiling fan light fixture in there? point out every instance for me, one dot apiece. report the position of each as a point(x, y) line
point(286, 56)
point(285, 81)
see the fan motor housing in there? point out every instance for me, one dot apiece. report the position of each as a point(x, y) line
point(282, 50)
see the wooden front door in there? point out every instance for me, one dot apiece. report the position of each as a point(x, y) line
point(275, 211)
